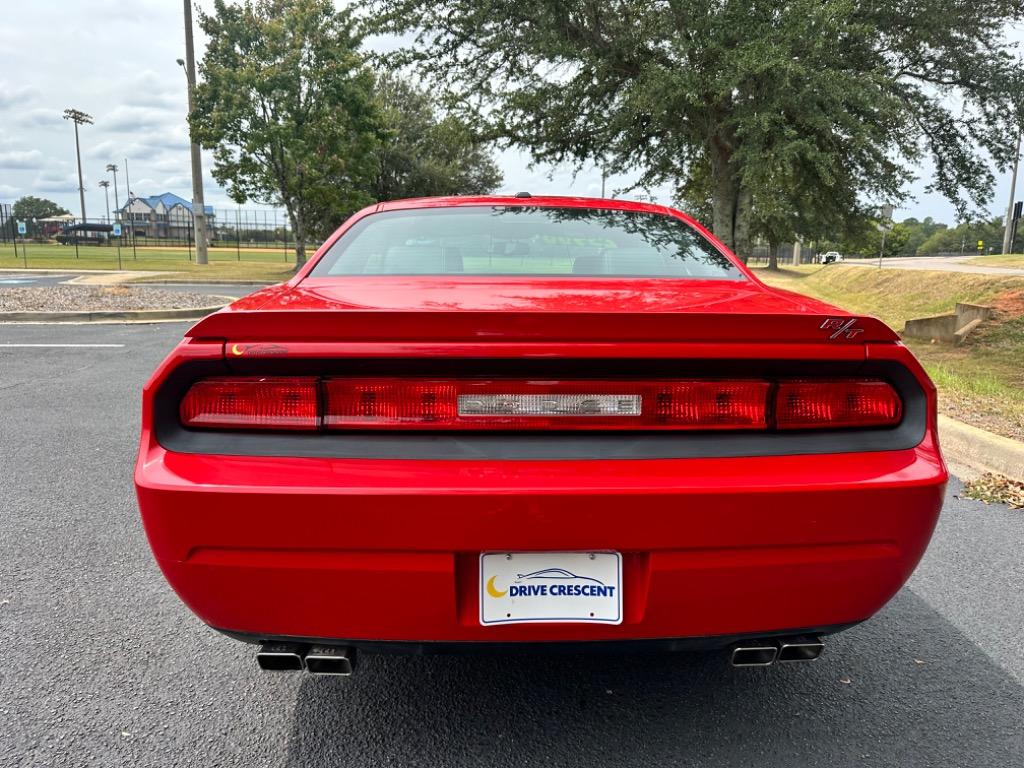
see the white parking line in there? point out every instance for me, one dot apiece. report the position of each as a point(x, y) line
point(83, 346)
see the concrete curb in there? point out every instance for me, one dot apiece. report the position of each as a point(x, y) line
point(981, 450)
point(125, 316)
point(111, 278)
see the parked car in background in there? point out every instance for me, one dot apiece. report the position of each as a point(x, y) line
point(493, 421)
point(831, 257)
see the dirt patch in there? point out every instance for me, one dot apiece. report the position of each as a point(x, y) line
point(80, 298)
point(1009, 305)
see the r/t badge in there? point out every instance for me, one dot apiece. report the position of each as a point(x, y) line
point(842, 328)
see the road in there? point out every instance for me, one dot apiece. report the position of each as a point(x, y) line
point(101, 665)
point(939, 264)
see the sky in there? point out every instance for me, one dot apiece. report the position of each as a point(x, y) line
point(116, 60)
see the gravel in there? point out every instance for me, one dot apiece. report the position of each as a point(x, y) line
point(81, 298)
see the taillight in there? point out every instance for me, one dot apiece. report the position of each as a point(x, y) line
point(474, 404)
point(295, 403)
point(836, 404)
point(252, 402)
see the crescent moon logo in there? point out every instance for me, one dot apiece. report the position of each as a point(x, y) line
point(236, 350)
point(492, 590)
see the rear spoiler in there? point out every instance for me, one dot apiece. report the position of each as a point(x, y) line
point(301, 325)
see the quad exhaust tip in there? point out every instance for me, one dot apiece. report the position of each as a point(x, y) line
point(763, 653)
point(279, 657)
point(800, 649)
point(331, 660)
point(317, 660)
point(754, 654)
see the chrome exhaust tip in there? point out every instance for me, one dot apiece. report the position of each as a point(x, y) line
point(807, 648)
point(279, 657)
point(331, 660)
point(754, 653)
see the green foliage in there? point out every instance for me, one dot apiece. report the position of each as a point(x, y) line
point(918, 233)
point(286, 105)
point(867, 241)
point(966, 237)
point(784, 119)
point(29, 207)
point(425, 154)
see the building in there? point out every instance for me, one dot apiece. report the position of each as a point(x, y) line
point(165, 216)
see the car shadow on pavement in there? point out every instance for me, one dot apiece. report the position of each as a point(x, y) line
point(906, 688)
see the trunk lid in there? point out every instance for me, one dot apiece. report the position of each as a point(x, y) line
point(436, 309)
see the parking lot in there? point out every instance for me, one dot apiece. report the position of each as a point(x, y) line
point(100, 664)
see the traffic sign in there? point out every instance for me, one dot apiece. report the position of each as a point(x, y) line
point(22, 229)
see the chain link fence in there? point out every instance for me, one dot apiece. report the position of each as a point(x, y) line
point(232, 234)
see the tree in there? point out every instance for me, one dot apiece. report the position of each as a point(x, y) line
point(919, 232)
point(965, 237)
point(286, 105)
point(868, 241)
point(813, 110)
point(423, 153)
point(29, 207)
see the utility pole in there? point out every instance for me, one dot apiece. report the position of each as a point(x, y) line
point(198, 206)
point(1008, 234)
point(106, 195)
point(78, 117)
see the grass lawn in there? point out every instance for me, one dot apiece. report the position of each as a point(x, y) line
point(981, 382)
point(257, 265)
point(1013, 260)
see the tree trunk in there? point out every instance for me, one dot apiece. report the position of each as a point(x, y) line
point(723, 202)
point(730, 202)
point(742, 224)
point(299, 230)
point(773, 260)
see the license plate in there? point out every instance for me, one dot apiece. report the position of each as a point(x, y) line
point(550, 587)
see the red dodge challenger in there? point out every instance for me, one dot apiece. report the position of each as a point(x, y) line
point(507, 421)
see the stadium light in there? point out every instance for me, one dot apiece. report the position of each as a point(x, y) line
point(78, 117)
point(106, 195)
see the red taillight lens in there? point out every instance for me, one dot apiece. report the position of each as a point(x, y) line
point(252, 402)
point(294, 403)
point(477, 404)
point(836, 404)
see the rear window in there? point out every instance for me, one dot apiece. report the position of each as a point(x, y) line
point(525, 240)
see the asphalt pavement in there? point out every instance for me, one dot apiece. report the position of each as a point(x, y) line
point(101, 665)
point(939, 264)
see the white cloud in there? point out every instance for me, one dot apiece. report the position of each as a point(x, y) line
point(21, 159)
point(12, 96)
point(40, 118)
point(56, 181)
point(125, 119)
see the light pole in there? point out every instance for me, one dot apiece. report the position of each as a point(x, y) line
point(78, 117)
point(198, 206)
point(106, 196)
point(111, 168)
point(1008, 233)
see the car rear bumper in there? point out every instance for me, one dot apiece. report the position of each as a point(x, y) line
point(388, 550)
